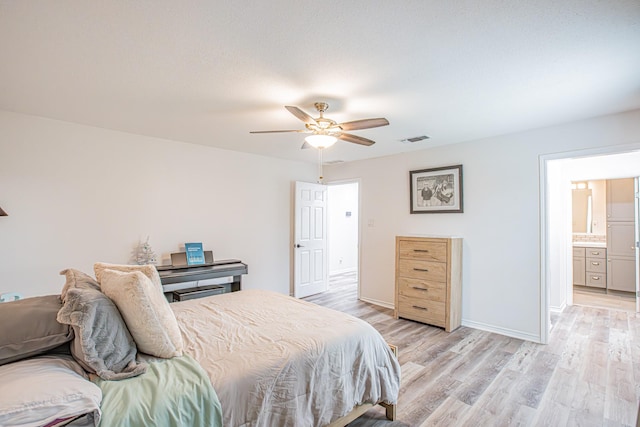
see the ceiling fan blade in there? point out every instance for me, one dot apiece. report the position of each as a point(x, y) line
point(301, 115)
point(364, 124)
point(354, 138)
point(277, 131)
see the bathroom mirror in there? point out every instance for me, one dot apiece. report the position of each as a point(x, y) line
point(582, 210)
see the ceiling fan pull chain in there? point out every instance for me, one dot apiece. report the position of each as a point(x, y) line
point(320, 177)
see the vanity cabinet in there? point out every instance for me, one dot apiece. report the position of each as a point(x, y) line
point(429, 280)
point(620, 200)
point(579, 264)
point(621, 257)
point(622, 276)
point(621, 242)
point(596, 267)
point(590, 267)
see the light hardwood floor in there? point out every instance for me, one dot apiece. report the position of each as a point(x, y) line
point(597, 298)
point(588, 374)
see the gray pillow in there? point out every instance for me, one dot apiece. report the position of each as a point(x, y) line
point(28, 327)
point(77, 279)
point(102, 343)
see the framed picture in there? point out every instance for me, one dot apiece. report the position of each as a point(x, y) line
point(436, 190)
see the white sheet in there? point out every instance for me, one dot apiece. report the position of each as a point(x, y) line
point(39, 390)
point(279, 361)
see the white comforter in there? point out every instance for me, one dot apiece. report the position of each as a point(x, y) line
point(278, 361)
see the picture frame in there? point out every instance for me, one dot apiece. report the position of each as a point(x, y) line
point(436, 190)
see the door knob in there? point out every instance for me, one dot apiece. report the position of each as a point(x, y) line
point(298, 246)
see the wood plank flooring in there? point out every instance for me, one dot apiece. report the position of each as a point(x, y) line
point(598, 298)
point(588, 374)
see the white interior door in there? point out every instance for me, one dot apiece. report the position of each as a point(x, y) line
point(310, 240)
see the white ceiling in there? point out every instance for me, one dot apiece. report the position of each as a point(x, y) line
point(208, 72)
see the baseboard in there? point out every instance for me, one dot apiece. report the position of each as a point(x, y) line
point(471, 324)
point(502, 331)
point(343, 271)
point(376, 302)
point(558, 309)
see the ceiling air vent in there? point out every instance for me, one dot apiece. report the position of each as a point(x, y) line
point(333, 162)
point(414, 139)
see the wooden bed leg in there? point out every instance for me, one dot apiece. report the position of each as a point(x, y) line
point(390, 411)
point(389, 408)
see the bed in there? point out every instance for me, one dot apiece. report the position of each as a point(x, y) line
point(276, 360)
point(248, 358)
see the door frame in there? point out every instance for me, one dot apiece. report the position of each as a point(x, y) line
point(545, 274)
point(359, 225)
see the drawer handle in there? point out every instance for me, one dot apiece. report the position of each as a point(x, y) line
point(420, 308)
point(420, 289)
point(595, 278)
point(421, 269)
point(420, 250)
point(595, 263)
point(595, 253)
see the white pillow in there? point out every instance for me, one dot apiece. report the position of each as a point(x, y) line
point(148, 270)
point(146, 312)
point(40, 390)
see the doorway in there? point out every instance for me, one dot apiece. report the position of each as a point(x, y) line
point(557, 172)
point(343, 237)
point(603, 241)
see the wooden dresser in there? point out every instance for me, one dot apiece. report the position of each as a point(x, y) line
point(429, 280)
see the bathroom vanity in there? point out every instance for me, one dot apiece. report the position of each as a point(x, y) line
point(590, 265)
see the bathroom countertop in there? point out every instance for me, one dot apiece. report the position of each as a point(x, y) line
point(590, 244)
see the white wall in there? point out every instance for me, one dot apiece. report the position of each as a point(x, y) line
point(500, 224)
point(76, 195)
point(343, 229)
point(599, 206)
point(559, 263)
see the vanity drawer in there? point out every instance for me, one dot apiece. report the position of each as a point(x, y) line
point(596, 265)
point(578, 252)
point(422, 289)
point(597, 280)
point(596, 253)
point(423, 270)
point(431, 312)
point(423, 250)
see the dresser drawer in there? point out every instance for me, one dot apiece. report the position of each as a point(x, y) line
point(597, 280)
point(596, 265)
point(423, 250)
point(578, 252)
point(431, 312)
point(422, 289)
point(424, 270)
point(596, 253)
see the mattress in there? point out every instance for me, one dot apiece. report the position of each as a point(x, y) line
point(276, 360)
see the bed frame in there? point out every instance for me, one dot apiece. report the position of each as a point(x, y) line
point(358, 410)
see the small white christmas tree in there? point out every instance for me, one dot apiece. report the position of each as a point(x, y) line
point(143, 254)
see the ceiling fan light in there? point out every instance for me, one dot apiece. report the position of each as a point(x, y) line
point(321, 141)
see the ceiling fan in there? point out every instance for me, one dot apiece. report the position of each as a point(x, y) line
point(324, 132)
